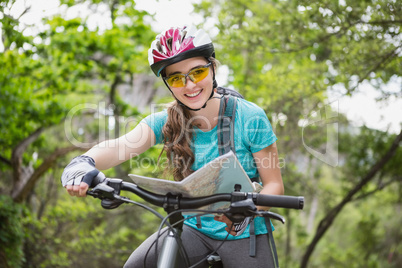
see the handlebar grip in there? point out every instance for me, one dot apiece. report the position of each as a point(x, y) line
point(280, 201)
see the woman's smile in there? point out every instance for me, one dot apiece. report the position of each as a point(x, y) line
point(193, 95)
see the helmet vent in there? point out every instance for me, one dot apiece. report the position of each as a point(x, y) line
point(184, 36)
point(159, 47)
point(169, 43)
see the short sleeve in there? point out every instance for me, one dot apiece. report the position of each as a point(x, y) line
point(156, 121)
point(258, 130)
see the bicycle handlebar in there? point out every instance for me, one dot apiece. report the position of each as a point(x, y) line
point(179, 202)
point(242, 205)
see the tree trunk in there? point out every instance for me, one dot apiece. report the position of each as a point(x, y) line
point(21, 173)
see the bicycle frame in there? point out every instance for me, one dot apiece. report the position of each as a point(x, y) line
point(169, 256)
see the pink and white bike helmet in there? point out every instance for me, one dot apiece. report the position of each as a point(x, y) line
point(177, 44)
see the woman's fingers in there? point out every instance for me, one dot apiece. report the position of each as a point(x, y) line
point(229, 223)
point(83, 188)
point(69, 189)
point(232, 232)
point(77, 190)
point(223, 218)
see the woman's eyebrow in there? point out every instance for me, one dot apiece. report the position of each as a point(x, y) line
point(198, 66)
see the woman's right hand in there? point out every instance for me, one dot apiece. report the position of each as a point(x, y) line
point(78, 190)
point(78, 175)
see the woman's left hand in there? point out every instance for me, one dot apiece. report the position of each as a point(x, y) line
point(230, 226)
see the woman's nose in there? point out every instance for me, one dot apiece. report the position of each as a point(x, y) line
point(189, 83)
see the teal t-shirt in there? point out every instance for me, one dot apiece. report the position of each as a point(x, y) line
point(253, 132)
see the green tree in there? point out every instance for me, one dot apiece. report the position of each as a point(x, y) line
point(43, 77)
point(286, 56)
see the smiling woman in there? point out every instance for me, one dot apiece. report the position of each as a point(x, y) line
point(185, 58)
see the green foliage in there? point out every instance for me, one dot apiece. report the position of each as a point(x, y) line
point(361, 236)
point(61, 231)
point(21, 94)
point(286, 56)
point(67, 64)
point(78, 233)
point(282, 55)
point(11, 233)
point(364, 150)
point(65, 58)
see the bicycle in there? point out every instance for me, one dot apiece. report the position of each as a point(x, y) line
point(241, 205)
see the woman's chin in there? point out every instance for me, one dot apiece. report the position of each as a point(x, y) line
point(195, 104)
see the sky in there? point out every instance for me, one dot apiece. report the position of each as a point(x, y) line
point(361, 108)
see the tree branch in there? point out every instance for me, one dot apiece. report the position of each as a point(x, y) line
point(23, 13)
point(379, 188)
point(327, 221)
point(5, 160)
point(320, 39)
point(383, 60)
point(384, 22)
point(20, 194)
point(327, 36)
point(18, 151)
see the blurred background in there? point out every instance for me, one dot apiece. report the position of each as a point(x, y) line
point(328, 74)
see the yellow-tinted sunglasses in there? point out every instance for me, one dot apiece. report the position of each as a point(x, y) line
point(196, 75)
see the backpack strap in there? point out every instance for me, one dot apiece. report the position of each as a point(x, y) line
point(271, 242)
point(253, 242)
point(227, 114)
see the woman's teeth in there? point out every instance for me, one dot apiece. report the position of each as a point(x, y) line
point(194, 94)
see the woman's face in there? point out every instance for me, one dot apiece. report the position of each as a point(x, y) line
point(193, 95)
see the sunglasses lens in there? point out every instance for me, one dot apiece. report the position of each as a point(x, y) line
point(176, 80)
point(196, 75)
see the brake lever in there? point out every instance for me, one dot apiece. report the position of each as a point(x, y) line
point(271, 215)
point(239, 210)
point(102, 191)
point(107, 194)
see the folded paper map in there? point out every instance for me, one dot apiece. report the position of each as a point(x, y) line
point(218, 176)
